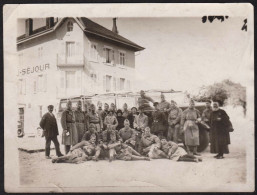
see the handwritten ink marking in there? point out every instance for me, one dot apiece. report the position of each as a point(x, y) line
point(212, 18)
point(245, 25)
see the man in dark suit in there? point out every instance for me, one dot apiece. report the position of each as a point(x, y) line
point(49, 125)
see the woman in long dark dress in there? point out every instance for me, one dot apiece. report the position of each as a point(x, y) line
point(219, 133)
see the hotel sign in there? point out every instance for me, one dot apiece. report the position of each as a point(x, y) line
point(34, 69)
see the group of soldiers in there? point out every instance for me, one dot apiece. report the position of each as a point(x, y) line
point(139, 134)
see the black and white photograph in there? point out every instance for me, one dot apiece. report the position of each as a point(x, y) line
point(129, 97)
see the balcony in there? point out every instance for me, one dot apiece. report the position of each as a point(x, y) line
point(74, 61)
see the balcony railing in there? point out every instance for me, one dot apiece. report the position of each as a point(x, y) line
point(76, 60)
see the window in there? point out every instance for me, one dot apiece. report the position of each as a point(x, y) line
point(70, 26)
point(128, 85)
point(122, 58)
point(93, 52)
point(93, 77)
point(108, 83)
point(70, 49)
point(114, 84)
point(122, 83)
point(109, 55)
point(70, 79)
point(40, 52)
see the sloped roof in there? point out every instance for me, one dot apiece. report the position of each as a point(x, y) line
point(97, 29)
point(88, 26)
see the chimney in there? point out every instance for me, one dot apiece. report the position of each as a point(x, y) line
point(114, 27)
point(49, 22)
point(28, 26)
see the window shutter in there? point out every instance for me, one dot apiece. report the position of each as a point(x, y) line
point(104, 55)
point(113, 53)
point(114, 84)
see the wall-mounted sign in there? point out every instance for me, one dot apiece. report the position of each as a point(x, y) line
point(34, 69)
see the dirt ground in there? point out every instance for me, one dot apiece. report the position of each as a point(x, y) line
point(155, 175)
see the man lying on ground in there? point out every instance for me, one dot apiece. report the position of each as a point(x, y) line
point(122, 151)
point(81, 152)
point(174, 152)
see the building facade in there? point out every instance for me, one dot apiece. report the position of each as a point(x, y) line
point(70, 57)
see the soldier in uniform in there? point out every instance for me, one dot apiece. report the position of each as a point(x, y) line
point(150, 144)
point(174, 152)
point(49, 125)
point(140, 123)
point(144, 103)
point(127, 134)
point(86, 114)
point(189, 124)
point(158, 126)
point(174, 122)
point(99, 110)
point(80, 121)
point(105, 139)
point(69, 135)
point(95, 119)
point(113, 108)
point(122, 151)
point(110, 119)
point(81, 152)
point(104, 114)
point(125, 111)
point(91, 131)
point(131, 116)
point(206, 116)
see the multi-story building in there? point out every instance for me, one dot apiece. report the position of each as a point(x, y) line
point(68, 57)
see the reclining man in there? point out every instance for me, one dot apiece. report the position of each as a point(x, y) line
point(174, 152)
point(83, 151)
point(121, 151)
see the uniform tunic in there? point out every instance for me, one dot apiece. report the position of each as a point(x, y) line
point(144, 103)
point(104, 113)
point(49, 125)
point(111, 120)
point(131, 118)
point(127, 134)
point(172, 145)
point(175, 115)
point(164, 104)
point(106, 135)
point(87, 135)
point(68, 123)
point(206, 116)
point(219, 133)
point(80, 122)
point(125, 113)
point(158, 125)
point(191, 130)
point(141, 121)
point(95, 119)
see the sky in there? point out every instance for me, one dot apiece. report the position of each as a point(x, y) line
point(183, 53)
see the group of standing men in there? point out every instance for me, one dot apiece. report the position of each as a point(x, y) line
point(139, 134)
